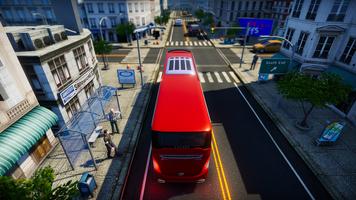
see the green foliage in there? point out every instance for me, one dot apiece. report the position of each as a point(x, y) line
point(102, 47)
point(326, 89)
point(200, 14)
point(165, 16)
point(232, 32)
point(39, 187)
point(158, 20)
point(125, 29)
point(209, 20)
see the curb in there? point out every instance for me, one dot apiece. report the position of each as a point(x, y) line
point(122, 178)
point(310, 163)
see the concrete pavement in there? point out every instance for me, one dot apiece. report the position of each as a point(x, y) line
point(335, 166)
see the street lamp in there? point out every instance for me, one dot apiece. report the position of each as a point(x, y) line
point(289, 42)
point(42, 16)
point(100, 21)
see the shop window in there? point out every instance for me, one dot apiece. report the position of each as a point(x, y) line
point(72, 107)
point(89, 89)
point(40, 149)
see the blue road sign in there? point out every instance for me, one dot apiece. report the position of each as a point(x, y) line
point(257, 26)
point(126, 76)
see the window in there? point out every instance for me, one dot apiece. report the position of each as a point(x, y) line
point(253, 5)
point(21, 14)
point(313, 9)
point(72, 107)
point(261, 4)
point(49, 14)
point(289, 36)
point(80, 58)
point(143, 21)
point(297, 7)
point(90, 8)
point(303, 37)
point(111, 8)
point(7, 14)
point(142, 5)
point(121, 7)
point(130, 7)
point(89, 89)
point(180, 65)
point(240, 5)
point(323, 47)
point(349, 51)
point(246, 5)
point(103, 24)
point(32, 77)
point(338, 10)
point(59, 70)
point(113, 21)
point(136, 7)
point(90, 46)
point(100, 7)
point(92, 22)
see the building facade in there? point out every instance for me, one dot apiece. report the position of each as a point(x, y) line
point(25, 127)
point(108, 14)
point(324, 34)
point(62, 70)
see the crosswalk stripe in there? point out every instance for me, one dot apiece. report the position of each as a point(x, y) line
point(204, 43)
point(181, 43)
point(195, 43)
point(210, 78)
point(209, 44)
point(167, 44)
point(172, 43)
point(218, 77)
point(190, 43)
point(186, 43)
point(177, 43)
point(200, 43)
point(201, 77)
point(159, 77)
point(232, 74)
point(226, 77)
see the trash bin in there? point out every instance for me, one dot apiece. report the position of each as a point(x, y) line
point(146, 42)
point(87, 185)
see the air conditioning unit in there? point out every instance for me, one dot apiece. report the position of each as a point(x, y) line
point(55, 33)
point(35, 38)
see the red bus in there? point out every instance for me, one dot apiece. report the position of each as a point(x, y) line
point(181, 126)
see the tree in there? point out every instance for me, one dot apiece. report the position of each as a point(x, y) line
point(126, 30)
point(200, 14)
point(102, 47)
point(39, 187)
point(158, 20)
point(209, 20)
point(232, 32)
point(326, 89)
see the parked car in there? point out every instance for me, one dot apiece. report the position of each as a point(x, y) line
point(193, 30)
point(270, 46)
point(178, 22)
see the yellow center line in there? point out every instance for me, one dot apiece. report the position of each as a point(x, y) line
point(219, 176)
point(185, 31)
point(219, 163)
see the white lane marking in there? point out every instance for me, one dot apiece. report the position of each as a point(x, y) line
point(190, 43)
point(181, 43)
point(275, 144)
point(167, 43)
point(186, 43)
point(210, 78)
point(200, 44)
point(177, 43)
point(226, 77)
point(204, 43)
point(145, 176)
point(201, 77)
point(195, 43)
point(170, 38)
point(218, 77)
point(159, 79)
point(232, 74)
point(209, 44)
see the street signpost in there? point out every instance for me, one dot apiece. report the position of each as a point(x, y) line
point(126, 76)
point(257, 26)
point(274, 66)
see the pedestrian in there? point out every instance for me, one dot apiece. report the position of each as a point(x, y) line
point(113, 121)
point(254, 62)
point(109, 144)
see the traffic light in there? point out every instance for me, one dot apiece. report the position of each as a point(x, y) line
point(212, 30)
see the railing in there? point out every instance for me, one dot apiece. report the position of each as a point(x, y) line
point(19, 109)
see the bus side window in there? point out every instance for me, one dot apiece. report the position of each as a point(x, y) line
point(171, 63)
point(188, 65)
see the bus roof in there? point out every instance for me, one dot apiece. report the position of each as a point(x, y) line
point(180, 105)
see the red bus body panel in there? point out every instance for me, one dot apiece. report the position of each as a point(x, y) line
point(181, 107)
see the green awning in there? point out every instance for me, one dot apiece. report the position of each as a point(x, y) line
point(347, 76)
point(295, 64)
point(17, 139)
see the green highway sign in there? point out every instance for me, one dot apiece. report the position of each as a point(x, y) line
point(274, 66)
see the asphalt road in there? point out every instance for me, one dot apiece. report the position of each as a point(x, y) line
point(249, 143)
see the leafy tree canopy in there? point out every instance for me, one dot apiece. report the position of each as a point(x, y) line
point(125, 29)
point(102, 47)
point(200, 14)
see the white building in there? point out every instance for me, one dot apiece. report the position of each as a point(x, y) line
point(112, 13)
point(324, 34)
point(25, 127)
point(62, 70)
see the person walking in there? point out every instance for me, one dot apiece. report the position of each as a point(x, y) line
point(109, 144)
point(254, 62)
point(113, 121)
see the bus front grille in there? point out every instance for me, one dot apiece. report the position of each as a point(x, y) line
point(181, 157)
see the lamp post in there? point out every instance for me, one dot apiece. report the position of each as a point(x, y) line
point(42, 16)
point(289, 42)
point(100, 21)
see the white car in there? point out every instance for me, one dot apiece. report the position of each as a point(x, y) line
point(178, 22)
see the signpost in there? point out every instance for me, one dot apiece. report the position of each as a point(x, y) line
point(274, 66)
point(257, 26)
point(126, 76)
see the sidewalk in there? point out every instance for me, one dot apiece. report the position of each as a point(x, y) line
point(111, 173)
point(335, 165)
point(219, 43)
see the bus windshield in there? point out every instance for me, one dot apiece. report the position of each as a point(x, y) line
point(181, 140)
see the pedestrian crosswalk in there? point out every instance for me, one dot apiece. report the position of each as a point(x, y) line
point(212, 77)
point(204, 43)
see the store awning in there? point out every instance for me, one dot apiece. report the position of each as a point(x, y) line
point(295, 64)
point(16, 140)
point(347, 76)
